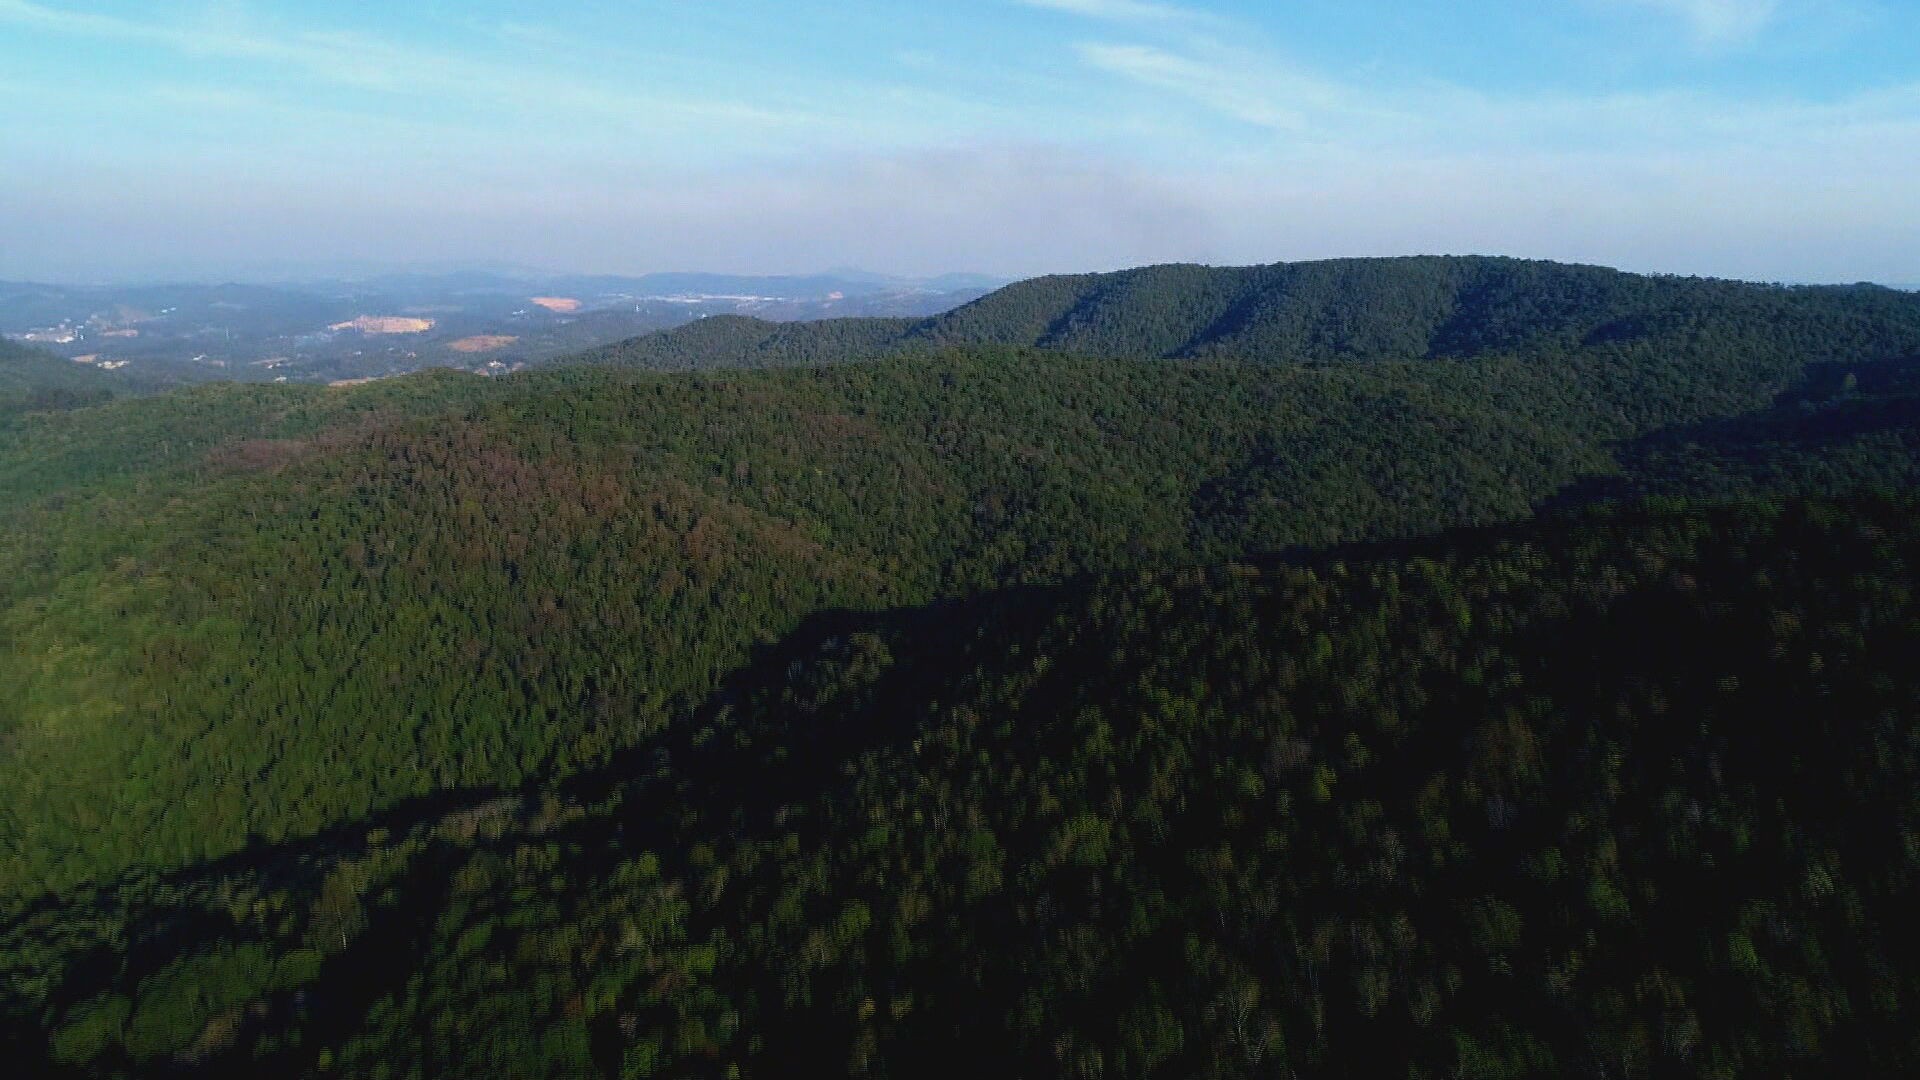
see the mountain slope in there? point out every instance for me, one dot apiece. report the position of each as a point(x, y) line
point(492, 579)
point(739, 341)
point(1618, 795)
point(35, 381)
point(603, 721)
point(264, 598)
point(1355, 309)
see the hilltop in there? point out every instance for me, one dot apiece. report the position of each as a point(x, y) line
point(35, 381)
point(1318, 312)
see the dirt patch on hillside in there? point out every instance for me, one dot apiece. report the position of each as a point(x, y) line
point(482, 343)
point(385, 324)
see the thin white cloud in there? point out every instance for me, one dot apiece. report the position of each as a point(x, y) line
point(1114, 10)
point(1233, 93)
point(1318, 112)
point(25, 14)
point(364, 63)
point(332, 60)
point(1716, 22)
point(1305, 107)
point(1683, 180)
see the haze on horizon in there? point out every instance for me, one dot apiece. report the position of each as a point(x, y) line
point(1764, 139)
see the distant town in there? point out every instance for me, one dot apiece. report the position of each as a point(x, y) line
point(353, 331)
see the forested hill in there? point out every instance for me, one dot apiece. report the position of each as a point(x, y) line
point(922, 715)
point(35, 381)
point(1619, 796)
point(229, 612)
point(1365, 309)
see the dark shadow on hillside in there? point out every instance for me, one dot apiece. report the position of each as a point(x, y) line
point(706, 765)
point(1833, 409)
point(700, 776)
point(1833, 404)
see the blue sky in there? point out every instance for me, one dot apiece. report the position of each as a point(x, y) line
point(1773, 139)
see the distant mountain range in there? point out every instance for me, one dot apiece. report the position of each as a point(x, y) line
point(491, 321)
point(833, 284)
point(474, 320)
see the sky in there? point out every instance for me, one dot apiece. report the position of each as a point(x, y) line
point(235, 139)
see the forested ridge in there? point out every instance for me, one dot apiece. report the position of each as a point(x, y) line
point(1010, 699)
point(1336, 310)
point(34, 381)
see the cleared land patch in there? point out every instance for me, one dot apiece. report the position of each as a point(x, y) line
point(385, 324)
point(479, 343)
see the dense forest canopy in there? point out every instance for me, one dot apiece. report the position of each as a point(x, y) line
point(1015, 696)
point(35, 381)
